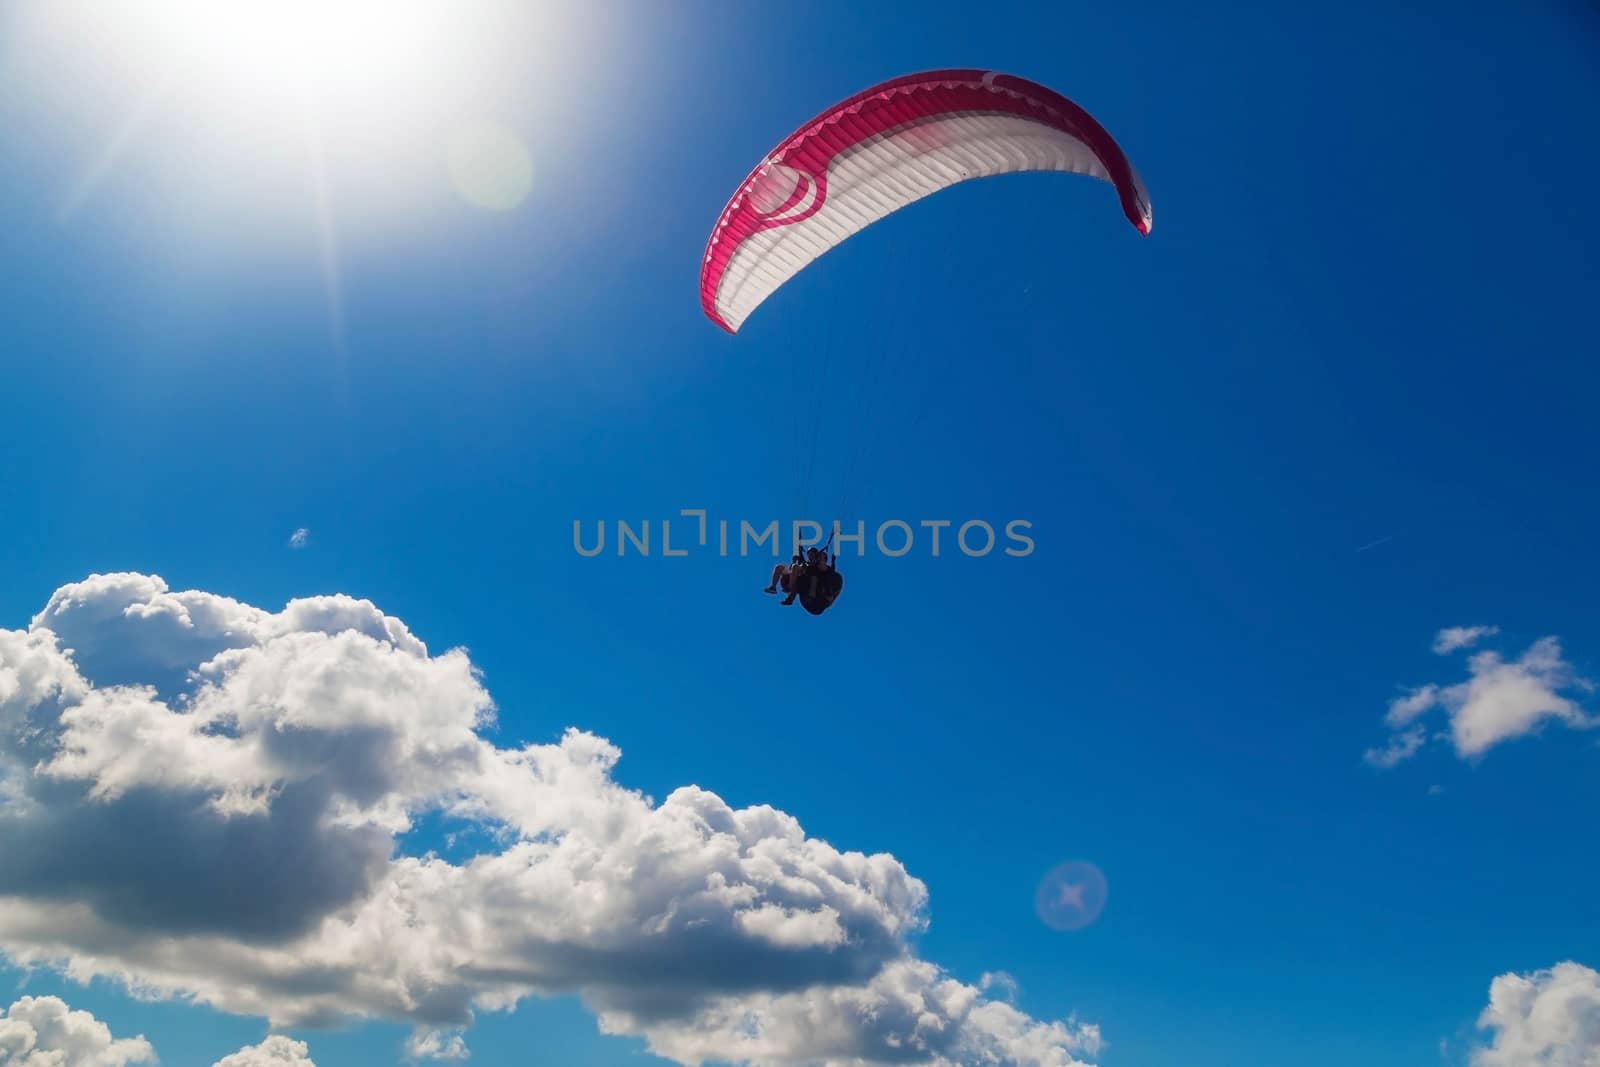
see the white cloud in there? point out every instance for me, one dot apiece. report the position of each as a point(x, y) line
point(1549, 1018)
point(1507, 700)
point(1400, 748)
point(1501, 700)
point(45, 1032)
point(275, 1051)
point(908, 1013)
point(1403, 710)
point(300, 538)
point(204, 799)
point(999, 980)
point(436, 1045)
point(1454, 638)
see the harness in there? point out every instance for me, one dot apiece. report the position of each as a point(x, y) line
point(818, 589)
point(815, 587)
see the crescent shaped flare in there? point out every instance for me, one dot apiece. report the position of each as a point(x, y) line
point(887, 147)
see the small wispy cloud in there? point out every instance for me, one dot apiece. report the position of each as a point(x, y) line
point(999, 983)
point(1501, 699)
point(1400, 748)
point(300, 538)
point(427, 1044)
point(1403, 710)
point(1454, 638)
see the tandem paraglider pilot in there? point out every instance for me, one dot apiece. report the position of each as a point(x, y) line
point(813, 578)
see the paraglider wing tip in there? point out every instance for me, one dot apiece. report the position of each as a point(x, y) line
point(1142, 216)
point(714, 313)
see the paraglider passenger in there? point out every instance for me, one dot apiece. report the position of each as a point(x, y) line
point(788, 576)
point(785, 575)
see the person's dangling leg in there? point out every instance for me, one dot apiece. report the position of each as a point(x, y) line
point(778, 574)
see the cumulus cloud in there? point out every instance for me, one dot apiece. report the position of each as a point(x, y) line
point(203, 799)
point(436, 1045)
point(1501, 700)
point(1549, 1018)
point(45, 1032)
point(1455, 638)
point(1505, 700)
point(907, 1014)
point(300, 538)
point(275, 1051)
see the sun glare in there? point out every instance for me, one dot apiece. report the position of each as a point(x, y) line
point(236, 123)
point(388, 91)
point(205, 128)
point(291, 48)
point(284, 61)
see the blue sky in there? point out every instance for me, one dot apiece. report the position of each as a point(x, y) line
point(1340, 400)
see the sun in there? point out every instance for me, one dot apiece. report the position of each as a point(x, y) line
point(381, 90)
point(288, 50)
point(280, 62)
point(235, 124)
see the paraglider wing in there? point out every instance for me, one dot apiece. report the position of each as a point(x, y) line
point(887, 147)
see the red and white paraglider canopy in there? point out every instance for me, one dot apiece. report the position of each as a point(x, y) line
point(887, 147)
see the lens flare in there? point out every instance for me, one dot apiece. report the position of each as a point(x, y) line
point(1071, 896)
point(490, 167)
